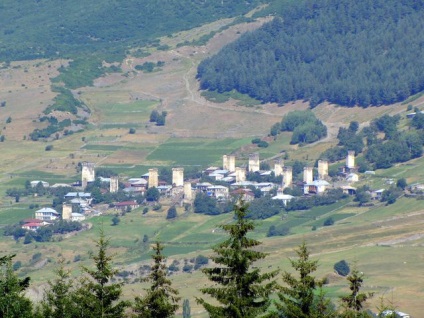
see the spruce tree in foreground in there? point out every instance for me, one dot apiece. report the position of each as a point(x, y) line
point(97, 297)
point(240, 290)
point(57, 302)
point(298, 298)
point(161, 299)
point(354, 302)
point(13, 303)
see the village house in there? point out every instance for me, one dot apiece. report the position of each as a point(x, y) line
point(315, 187)
point(37, 182)
point(123, 206)
point(47, 214)
point(217, 191)
point(283, 197)
point(244, 194)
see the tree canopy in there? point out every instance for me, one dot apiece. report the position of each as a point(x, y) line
point(345, 52)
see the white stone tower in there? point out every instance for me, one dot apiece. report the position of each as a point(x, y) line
point(153, 178)
point(231, 163)
point(66, 211)
point(350, 159)
point(254, 162)
point(188, 192)
point(240, 174)
point(114, 184)
point(178, 177)
point(308, 174)
point(278, 167)
point(322, 169)
point(87, 173)
point(287, 176)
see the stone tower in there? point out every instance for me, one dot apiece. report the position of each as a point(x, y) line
point(240, 174)
point(229, 162)
point(254, 162)
point(114, 184)
point(278, 167)
point(322, 169)
point(66, 211)
point(178, 177)
point(225, 162)
point(350, 159)
point(188, 193)
point(87, 173)
point(308, 174)
point(287, 176)
point(153, 178)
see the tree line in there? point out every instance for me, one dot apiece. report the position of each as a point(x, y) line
point(239, 288)
point(348, 53)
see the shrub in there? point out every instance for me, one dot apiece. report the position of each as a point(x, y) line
point(132, 131)
point(172, 213)
point(342, 268)
point(48, 148)
point(200, 261)
point(329, 221)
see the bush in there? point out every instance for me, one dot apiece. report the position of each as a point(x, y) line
point(172, 213)
point(48, 148)
point(342, 268)
point(187, 268)
point(280, 230)
point(132, 131)
point(17, 265)
point(329, 221)
point(200, 261)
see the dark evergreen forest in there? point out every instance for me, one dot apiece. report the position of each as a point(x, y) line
point(56, 28)
point(346, 52)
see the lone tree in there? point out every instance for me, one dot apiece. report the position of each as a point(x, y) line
point(297, 298)
point(97, 296)
point(161, 299)
point(354, 302)
point(241, 292)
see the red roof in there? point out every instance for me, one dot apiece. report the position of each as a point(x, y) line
point(125, 203)
point(32, 221)
point(32, 225)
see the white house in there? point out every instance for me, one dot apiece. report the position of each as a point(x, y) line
point(217, 191)
point(36, 182)
point(283, 197)
point(77, 217)
point(315, 187)
point(352, 177)
point(47, 214)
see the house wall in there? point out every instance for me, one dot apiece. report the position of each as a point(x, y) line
point(66, 211)
point(350, 159)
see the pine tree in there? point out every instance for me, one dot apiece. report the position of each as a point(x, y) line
point(57, 302)
point(354, 302)
point(161, 299)
point(13, 304)
point(96, 296)
point(297, 298)
point(242, 292)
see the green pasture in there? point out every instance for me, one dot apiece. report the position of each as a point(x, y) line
point(131, 112)
point(194, 152)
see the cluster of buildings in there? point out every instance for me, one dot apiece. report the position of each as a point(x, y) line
point(226, 181)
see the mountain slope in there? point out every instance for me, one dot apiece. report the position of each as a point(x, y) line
point(345, 52)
